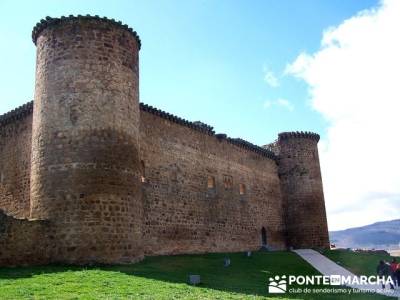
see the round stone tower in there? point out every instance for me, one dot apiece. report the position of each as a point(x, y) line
point(85, 174)
point(301, 186)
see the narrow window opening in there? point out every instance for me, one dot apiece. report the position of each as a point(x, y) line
point(242, 189)
point(142, 172)
point(211, 182)
point(228, 182)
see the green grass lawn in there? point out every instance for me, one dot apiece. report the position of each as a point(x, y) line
point(162, 277)
point(358, 263)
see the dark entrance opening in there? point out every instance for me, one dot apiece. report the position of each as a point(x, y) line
point(263, 236)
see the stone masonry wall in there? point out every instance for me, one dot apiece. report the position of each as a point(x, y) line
point(183, 214)
point(15, 163)
point(302, 190)
point(85, 174)
point(92, 176)
point(25, 242)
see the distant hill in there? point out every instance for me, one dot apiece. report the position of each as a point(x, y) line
point(380, 235)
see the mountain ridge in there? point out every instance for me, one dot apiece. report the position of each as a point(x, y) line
point(378, 235)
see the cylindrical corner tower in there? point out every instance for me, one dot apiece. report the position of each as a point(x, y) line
point(301, 186)
point(85, 163)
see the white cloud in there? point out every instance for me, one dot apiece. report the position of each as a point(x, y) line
point(267, 104)
point(297, 68)
point(279, 103)
point(270, 78)
point(285, 103)
point(354, 83)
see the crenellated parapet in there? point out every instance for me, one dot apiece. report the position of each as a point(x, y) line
point(27, 109)
point(209, 130)
point(251, 147)
point(48, 22)
point(199, 126)
point(299, 134)
point(17, 113)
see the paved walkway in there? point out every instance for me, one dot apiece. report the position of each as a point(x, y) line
point(327, 267)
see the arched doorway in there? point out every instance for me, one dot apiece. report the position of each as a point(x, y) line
point(263, 236)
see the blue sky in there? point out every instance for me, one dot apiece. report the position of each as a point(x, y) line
point(253, 69)
point(202, 60)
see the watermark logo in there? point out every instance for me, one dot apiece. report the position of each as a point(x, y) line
point(328, 284)
point(335, 280)
point(277, 285)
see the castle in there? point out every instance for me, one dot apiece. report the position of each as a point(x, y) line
point(90, 175)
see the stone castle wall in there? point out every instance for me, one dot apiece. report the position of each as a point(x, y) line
point(15, 162)
point(25, 242)
point(92, 176)
point(185, 213)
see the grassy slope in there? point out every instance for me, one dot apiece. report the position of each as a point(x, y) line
point(160, 278)
point(358, 263)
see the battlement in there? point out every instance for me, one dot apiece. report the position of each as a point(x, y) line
point(249, 146)
point(16, 114)
point(299, 134)
point(209, 130)
point(26, 109)
point(204, 128)
point(48, 21)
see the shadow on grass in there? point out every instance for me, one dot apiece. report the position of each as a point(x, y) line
point(245, 275)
